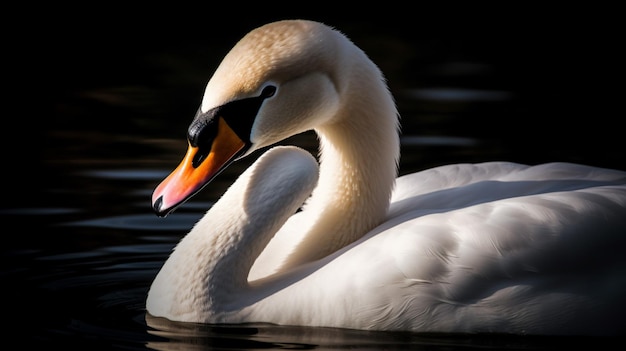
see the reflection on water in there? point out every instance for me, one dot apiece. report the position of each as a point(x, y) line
point(262, 336)
point(82, 244)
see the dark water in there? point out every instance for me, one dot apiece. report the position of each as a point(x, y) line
point(105, 121)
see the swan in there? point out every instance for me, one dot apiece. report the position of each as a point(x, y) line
point(493, 247)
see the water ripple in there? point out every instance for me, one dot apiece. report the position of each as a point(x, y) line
point(38, 211)
point(458, 94)
point(437, 140)
point(181, 221)
point(128, 174)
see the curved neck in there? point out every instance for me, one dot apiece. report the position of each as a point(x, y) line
point(359, 153)
point(207, 272)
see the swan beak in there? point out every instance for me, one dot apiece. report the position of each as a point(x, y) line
point(197, 169)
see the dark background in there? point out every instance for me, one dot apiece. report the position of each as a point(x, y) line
point(562, 64)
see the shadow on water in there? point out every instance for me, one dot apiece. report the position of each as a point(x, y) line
point(82, 244)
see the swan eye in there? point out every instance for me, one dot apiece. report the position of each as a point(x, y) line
point(268, 91)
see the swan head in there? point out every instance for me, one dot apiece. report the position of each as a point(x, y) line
point(279, 80)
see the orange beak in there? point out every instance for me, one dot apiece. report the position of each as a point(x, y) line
point(186, 180)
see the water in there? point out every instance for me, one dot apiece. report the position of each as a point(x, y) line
point(81, 244)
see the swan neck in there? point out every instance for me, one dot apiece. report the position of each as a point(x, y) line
point(206, 276)
point(359, 153)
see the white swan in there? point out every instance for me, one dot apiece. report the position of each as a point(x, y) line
point(491, 247)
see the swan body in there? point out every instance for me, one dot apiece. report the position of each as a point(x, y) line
point(491, 247)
